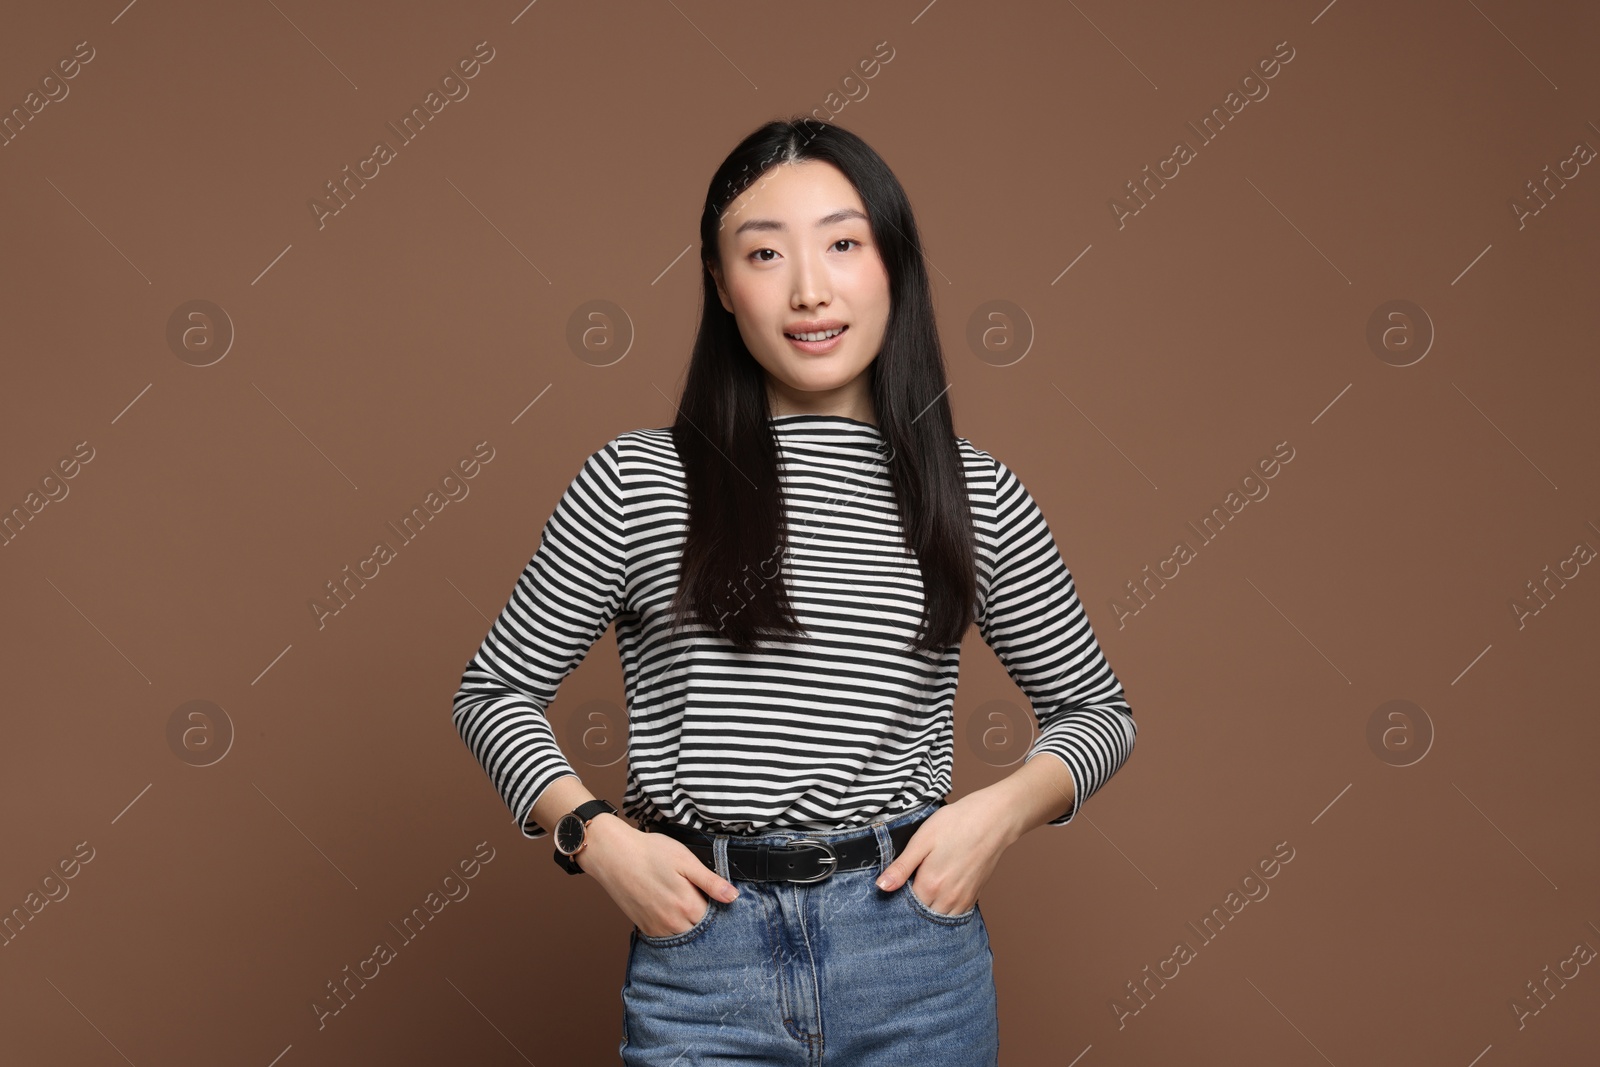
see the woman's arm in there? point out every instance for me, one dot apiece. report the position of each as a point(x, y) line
point(1033, 620)
point(1035, 794)
point(566, 597)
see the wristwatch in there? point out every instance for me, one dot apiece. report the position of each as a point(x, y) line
point(571, 832)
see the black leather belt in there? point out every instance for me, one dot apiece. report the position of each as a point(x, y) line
point(803, 859)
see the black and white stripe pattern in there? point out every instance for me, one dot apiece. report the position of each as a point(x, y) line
point(826, 732)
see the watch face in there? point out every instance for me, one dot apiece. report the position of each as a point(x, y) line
point(569, 833)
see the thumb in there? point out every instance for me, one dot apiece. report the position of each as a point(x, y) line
point(897, 872)
point(713, 883)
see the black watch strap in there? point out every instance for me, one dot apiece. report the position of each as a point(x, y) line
point(585, 812)
point(590, 809)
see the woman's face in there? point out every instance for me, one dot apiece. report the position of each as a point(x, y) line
point(797, 256)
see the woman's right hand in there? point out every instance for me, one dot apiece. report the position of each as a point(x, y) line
point(653, 878)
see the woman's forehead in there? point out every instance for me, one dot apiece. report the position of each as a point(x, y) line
point(790, 196)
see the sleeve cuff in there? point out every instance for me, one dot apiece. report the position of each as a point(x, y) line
point(523, 812)
point(530, 829)
point(1078, 777)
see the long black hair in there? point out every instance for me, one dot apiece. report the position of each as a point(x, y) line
point(730, 575)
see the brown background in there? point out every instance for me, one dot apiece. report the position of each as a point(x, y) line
point(247, 849)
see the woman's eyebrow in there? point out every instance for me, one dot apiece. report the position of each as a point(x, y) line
point(827, 220)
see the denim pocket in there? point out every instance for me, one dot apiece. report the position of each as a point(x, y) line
point(936, 916)
point(673, 940)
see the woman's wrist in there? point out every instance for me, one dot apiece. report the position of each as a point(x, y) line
point(1039, 790)
point(602, 835)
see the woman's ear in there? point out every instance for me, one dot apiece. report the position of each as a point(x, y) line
point(722, 292)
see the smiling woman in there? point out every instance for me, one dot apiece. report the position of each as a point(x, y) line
point(791, 567)
point(806, 243)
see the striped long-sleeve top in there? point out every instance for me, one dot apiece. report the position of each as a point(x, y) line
point(829, 731)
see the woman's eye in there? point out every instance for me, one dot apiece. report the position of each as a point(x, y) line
point(756, 254)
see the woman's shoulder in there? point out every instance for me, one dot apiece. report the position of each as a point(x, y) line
point(646, 440)
point(979, 462)
point(646, 451)
point(970, 451)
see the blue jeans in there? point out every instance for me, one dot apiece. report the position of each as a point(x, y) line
point(837, 972)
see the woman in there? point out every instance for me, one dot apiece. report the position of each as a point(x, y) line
point(791, 567)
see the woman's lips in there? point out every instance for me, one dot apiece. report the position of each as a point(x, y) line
point(817, 348)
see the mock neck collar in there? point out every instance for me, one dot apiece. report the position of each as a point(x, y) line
point(781, 421)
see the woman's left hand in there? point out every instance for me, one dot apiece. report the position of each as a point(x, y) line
point(953, 852)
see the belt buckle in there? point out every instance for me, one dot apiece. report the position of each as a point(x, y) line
point(832, 858)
